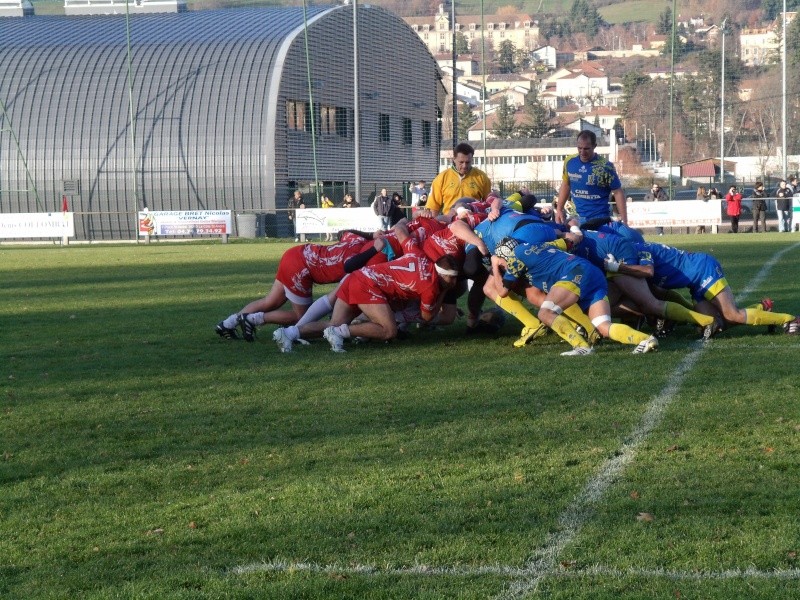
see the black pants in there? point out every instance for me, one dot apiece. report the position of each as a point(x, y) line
point(759, 216)
point(475, 269)
point(735, 224)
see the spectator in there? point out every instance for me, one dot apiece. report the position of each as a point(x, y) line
point(397, 209)
point(656, 194)
point(702, 194)
point(784, 205)
point(795, 193)
point(759, 208)
point(733, 207)
point(382, 206)
point(295, 202)
point(417, 192)
point(348, 202)
point(326, 202)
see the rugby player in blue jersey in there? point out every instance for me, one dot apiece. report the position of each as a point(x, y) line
point(703, 275)
point(628, 278)
point(566, 280)
point(590, 179)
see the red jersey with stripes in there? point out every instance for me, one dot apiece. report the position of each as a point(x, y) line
point(410, 277)
point(445, 242)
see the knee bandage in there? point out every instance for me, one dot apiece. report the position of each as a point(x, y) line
point(597, 321)
point(552, 306)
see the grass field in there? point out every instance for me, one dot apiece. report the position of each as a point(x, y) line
point(143, 457)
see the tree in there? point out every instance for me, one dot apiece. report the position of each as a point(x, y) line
point(585, 18)
point(536, 114)
point(505, 126)
point(631, 82)
point(772, 8)
point(664, 24)
point(681, 48)
point(462, 43)
point(466, 119)
point(506, 54)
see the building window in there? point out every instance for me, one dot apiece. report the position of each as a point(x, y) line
point(407, 137)
point(383, 128)
point(296, 115)
point(342, 125)
point(426, 133)
point(327, 115)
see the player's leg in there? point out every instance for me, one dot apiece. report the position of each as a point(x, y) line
point(726, 304)
point(551, 314)
point(638, 290)
point(600, 313)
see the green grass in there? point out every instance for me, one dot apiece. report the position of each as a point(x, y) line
point(642, 11)
point(143, 457)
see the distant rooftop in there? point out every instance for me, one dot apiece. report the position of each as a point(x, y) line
point(15, 8)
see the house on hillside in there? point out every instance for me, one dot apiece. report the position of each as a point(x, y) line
point(503, 81)
point(547, 56)
point(761, 45)
point(436, 31)
point(223, 117)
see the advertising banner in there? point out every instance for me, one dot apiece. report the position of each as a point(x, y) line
point(37, 225)
point(331, 220)
point(676, 213)
point(185, 222)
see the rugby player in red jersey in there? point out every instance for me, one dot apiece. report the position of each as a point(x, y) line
point(299, 269)
point(376, 291)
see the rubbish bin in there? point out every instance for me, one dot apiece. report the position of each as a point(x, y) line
point(246, 225)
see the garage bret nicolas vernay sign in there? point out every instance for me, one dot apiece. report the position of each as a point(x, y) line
point(184, 222)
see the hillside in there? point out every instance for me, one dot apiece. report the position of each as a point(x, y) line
point(613, 11)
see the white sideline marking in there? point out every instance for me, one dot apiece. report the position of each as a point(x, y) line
point(749, 573)
point(544, 561)
point(355, 569)
point(277, 566)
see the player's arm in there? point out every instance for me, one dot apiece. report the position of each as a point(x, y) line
point(640, 271)
point(367, 235)
point(465, 233)
point(354, 263)
point(563, 195)
point(621, 203)
point(497, 276)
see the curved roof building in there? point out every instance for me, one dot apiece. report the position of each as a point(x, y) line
point(222, 111)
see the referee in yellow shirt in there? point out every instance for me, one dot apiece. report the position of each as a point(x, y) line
point(461, 180)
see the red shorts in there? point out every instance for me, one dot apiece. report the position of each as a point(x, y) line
point(293, 273)
point(358, 289)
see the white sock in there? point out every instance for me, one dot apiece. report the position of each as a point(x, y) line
point(320, 308)
point(343, 330)
point(256, 318)
point(230, 322)
point(292, 332)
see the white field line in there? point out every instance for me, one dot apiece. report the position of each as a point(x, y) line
point(544, 561)
point(278, 566)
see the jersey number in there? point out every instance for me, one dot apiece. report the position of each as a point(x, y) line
point(410, 268)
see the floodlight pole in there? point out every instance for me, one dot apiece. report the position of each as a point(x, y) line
point(356, 105)
point(455, 77)
point(783, 94)
point(131, 109)
point(722, 109)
